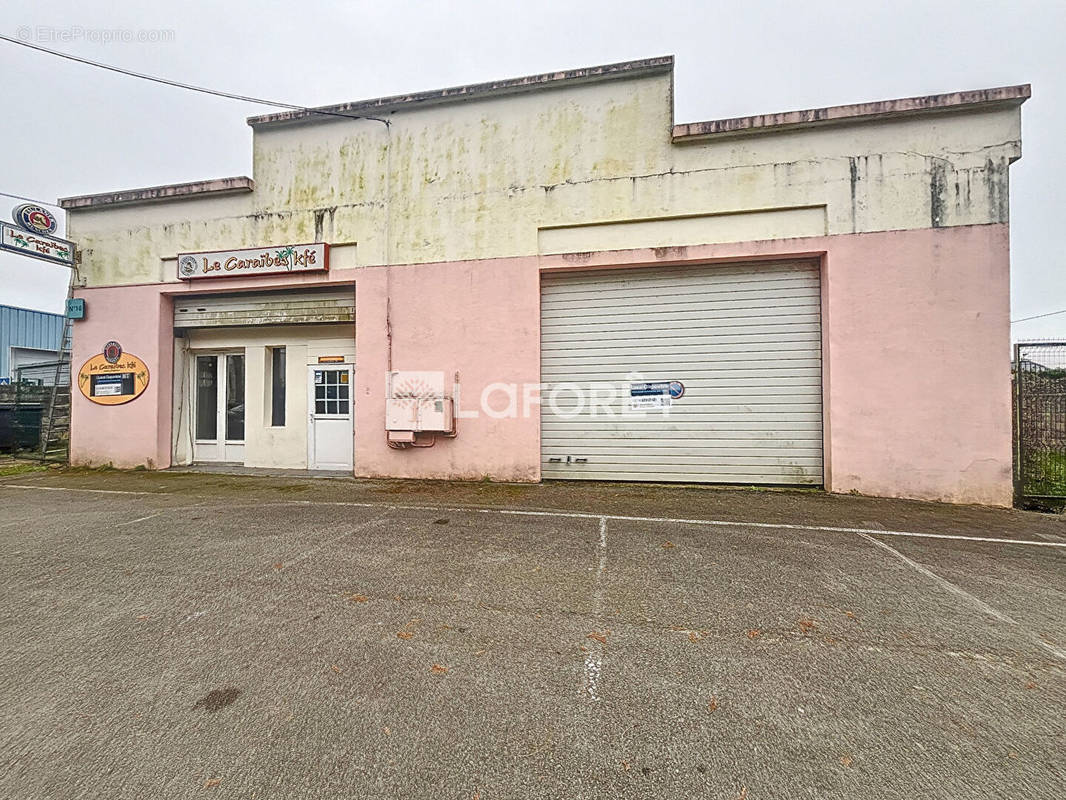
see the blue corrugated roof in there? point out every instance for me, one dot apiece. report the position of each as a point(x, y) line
point(21, 327)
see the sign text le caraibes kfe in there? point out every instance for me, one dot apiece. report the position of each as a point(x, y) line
point(254, 261)
point(46, 248)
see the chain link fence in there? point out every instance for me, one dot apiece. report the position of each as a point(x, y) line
point(1039, 370)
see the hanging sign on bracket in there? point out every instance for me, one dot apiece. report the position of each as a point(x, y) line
point(36, 245)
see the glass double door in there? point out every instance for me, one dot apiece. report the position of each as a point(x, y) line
point(218, 407)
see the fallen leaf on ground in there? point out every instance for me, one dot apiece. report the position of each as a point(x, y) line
point(753, 633)
point(806, 625)
point(599, 637)
point(358, 598)
point(713, 705)
point(437, 669)
point(404, 635)
point(845, 760)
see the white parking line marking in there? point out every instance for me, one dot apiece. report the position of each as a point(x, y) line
point(67, 489)
point(594, 655)
point(142, 519)
point(960, 592)
point(724, 523)
point(951, 587)
point(332, 540)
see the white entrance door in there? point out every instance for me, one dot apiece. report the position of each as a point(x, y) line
point(329, 402)
point(218, 407)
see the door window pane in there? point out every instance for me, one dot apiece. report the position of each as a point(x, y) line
point(277, 386)
point(235, 398)
point(332, 392)
point(207, 397)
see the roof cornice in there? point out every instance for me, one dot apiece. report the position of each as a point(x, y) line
point(850, 114)
point(157, 194)
point(476, 91)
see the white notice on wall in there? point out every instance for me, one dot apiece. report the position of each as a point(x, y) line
point(649, 402)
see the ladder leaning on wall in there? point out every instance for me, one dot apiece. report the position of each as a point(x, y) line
point(55, 429)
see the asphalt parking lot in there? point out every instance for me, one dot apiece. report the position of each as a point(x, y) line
point(203, 635)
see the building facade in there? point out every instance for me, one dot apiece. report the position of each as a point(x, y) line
point(548, 278)
point(27, 338)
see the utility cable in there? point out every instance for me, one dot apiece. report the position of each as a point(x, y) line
point(29, 199)
point(188, 86)
point(1038, 316)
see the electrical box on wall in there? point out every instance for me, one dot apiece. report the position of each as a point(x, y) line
point(401, 414)
point(435, 414)
point(418, 410)
point(420, 414)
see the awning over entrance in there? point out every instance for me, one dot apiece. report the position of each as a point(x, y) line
point(287, 307)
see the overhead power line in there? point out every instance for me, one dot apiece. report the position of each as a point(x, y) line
point(188, 86)
point(1038, 316)
point(29, 199)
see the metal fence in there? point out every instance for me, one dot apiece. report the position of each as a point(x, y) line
point(1040, 420)
point(35, 412)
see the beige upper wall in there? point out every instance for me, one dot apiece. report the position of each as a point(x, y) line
point(538, 172)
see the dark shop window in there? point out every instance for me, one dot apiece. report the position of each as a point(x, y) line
point(277, 386)
point(207, 397)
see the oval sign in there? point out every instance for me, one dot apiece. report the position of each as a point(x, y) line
point(113, 383)
point(34, 218)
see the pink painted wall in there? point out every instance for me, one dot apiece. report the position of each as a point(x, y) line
point(916, 354)
point(135, 433)
point(480, 318)
point(916, 359)
point(919, 348)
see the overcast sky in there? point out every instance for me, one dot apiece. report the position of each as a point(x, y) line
point(69, 129)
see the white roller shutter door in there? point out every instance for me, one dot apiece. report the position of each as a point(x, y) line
point(744, 339)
